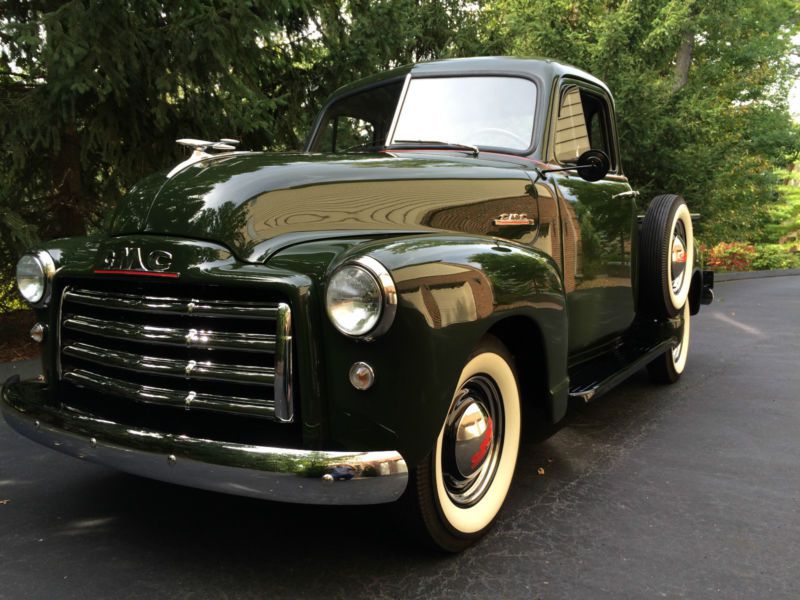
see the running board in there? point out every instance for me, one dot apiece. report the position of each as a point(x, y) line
point(593, 378)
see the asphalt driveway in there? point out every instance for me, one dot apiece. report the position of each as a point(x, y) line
point(688, 491)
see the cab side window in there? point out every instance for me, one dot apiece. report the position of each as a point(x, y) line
point(359, 122)
point(584, 123)
point(345, 133)
point(597, 115)
point(572, 136)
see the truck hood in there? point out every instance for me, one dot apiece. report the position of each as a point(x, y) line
point(257, 203)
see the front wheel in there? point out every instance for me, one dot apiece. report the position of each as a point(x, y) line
point(457, 491)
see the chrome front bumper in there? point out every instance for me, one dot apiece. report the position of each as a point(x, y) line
point(281, 474)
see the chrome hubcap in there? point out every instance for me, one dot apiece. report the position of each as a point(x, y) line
point(472, 441)
point(679, 257)
point(678, 347)
point(676, 350)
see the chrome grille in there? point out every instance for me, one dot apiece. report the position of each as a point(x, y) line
point(158, 347)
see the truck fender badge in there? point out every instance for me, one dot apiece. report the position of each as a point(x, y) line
point(130, 260)
point(513, 220)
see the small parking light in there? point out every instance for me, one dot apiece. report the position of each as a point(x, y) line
point(37, 333)
point(362, 376)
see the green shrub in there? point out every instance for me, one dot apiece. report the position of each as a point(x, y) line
point(775, 256)
point(741, 256)
point(732, 256)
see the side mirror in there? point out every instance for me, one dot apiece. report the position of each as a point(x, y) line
point(593, 165)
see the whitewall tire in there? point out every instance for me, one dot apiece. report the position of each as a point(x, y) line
point(666, 257)
point(459, 489)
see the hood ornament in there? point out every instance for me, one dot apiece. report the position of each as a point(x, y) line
point(200, 151)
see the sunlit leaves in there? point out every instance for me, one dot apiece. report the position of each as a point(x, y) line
point(717, 138)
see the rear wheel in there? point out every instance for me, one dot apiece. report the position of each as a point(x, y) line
point(457, 491)
point(668, 367)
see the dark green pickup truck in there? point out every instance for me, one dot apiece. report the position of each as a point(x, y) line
point(368, 320)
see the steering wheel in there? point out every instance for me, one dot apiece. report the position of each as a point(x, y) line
point(505, 132)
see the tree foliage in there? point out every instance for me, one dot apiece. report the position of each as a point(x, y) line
point(700, 88)
point(94, 92)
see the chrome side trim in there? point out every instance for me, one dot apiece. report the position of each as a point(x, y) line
point(155, 365)
point(628, 194)
point(166, 397)
point(161, 305)
point(282, 474)
point(284, 404)
point(171, 336)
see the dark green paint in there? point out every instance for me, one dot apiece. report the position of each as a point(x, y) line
point(401, 412)
point(280, 223)
point(255, 203)
point(418, 362)
point(601, 305)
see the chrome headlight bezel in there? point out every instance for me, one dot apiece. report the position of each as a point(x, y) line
point(47, 268)
point(388, 292)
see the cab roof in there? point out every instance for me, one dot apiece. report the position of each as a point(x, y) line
point(545, 70)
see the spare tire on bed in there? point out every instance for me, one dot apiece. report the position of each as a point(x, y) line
point(666, 256)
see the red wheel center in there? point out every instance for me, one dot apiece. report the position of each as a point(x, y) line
point(486, 443)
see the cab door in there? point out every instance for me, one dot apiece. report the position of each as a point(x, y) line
point(598, 219)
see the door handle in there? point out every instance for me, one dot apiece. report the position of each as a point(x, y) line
point(628, 194)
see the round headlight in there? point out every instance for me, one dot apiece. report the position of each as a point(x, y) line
point(33, 275)
point(361, 298)
point(353, 300)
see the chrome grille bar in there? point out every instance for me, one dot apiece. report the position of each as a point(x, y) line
point(284, 402)
point(165, 305)
point(172, 336)
point(163, 396)
point(156, 365)
point(246, 370)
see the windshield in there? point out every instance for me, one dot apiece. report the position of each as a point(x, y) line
point(479, 111)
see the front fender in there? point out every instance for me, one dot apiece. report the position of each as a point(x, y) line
point(452, 291)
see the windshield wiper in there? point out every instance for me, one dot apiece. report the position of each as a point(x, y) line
point(437, 144)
